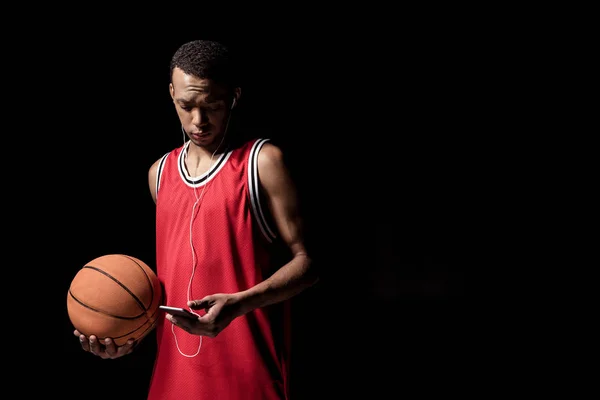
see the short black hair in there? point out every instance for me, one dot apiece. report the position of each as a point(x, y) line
point(206, 59)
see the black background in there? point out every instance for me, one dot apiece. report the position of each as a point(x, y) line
point(375, 126)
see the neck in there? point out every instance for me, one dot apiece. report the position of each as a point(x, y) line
point(213, 149)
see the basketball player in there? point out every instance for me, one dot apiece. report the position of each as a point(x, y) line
point(223, 208)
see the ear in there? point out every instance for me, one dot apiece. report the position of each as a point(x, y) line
point(237, 93)
point(172, 91)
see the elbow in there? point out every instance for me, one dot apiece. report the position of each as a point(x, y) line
point(309, 271)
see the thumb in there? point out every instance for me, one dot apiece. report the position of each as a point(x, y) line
point(198, 304)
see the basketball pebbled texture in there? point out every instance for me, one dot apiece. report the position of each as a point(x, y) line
point(114, 296)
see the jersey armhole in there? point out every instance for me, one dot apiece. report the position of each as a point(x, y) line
point(159, 171)
point(254, 191)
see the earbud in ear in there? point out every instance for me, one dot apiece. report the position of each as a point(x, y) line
point(233, 103)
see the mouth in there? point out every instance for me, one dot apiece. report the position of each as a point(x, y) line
point(201, 134)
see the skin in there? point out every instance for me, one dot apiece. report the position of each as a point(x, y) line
point(203, 108)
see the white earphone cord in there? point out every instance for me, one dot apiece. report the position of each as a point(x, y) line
point(193, 216)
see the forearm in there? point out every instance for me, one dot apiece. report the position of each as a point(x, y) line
point(291, 279)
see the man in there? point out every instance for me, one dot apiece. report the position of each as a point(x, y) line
point(225, 207)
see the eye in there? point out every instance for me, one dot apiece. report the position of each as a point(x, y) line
point(214, 107)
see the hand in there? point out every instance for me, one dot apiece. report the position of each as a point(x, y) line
point(104, 350)
point(220, 309)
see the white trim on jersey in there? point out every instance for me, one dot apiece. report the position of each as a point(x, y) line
point(159, 172)
point(206, 177)
point(253, 183)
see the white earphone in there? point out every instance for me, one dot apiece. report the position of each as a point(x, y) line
point(233, 104)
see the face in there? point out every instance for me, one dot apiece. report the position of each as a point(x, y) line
point(203, 108)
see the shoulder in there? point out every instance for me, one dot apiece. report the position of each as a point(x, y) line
point(271, 162)
point(263, 154)
point(154, 173)
point(273, 170)
point(156, 165)
point(270, 155)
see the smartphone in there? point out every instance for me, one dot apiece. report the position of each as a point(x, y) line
point(178, 311)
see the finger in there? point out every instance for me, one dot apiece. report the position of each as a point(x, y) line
point(173, 320)
point(202, 303)
point(111, 348)
point(85, 344)
point(184, 323)
point(94, 345)
point(211, 313)
point(195, 304)
point(127, 347)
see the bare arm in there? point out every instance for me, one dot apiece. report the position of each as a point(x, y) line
point(299, 273)
point(289, 280)
point(152, 179)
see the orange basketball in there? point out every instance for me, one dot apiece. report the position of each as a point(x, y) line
point(114, 296)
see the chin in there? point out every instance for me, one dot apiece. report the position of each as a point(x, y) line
point(206, 141)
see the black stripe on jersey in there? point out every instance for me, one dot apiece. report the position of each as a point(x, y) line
point(192, 182)
point(159, 172)
point(253, 184)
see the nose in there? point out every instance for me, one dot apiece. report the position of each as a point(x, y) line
point(199, 117)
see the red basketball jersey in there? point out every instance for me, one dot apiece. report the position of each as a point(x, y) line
point(212, 236)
